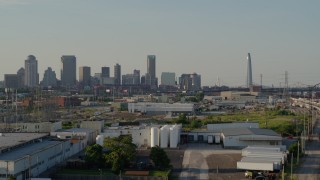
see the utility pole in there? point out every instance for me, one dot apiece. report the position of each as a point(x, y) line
point(291, 165)
point(261, 80)
point(298, 152)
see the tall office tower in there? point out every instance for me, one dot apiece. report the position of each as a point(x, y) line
point(31, 71)
point(249, 71)
point(105, 71)
point(151, 70)
point(168, 78)
point(11, 81)
point(68, 71)
point(190, 82)
point(136, 73)
point(131, 79)
point(85, 76)
point(21, 77)
point(117, 74)
point(49, 78)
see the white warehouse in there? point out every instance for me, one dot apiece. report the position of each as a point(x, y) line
point(146, 136)
point(242, 137)
point(161, 108)
point(26, 155)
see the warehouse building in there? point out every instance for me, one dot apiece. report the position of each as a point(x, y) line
point(161, 108)
point(242, 137)
point(26, 155)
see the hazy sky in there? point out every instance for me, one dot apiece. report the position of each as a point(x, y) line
point(208, 37)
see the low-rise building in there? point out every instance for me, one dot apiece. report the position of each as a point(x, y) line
point(242, 137)
point(26, 155)
point(161, 108)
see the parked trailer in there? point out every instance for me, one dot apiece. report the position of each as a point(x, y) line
point(258, 166)
point(210, 139)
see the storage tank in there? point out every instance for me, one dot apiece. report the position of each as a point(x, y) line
point(99, 140)
point(154, 136)
point(174, 136)
point(164, 136)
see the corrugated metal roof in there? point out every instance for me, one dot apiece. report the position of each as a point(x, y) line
point(248, 131)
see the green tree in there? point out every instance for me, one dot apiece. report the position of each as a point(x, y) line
point(159, 158)
point(94, 154)
point(122, 151)
point(182, 119)
point(195, 124)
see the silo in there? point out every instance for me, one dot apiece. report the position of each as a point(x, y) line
point(99, 140)
point(174, 136)
point(164, 136)
point(154, 136)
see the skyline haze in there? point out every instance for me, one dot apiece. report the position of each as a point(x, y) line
point(211, 38)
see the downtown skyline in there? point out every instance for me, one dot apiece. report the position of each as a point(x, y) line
point(210, 38)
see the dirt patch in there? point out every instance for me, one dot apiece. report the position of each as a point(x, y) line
point(224, 166)
point(137, 173)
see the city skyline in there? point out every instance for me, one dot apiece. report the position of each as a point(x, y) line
point(210, 38)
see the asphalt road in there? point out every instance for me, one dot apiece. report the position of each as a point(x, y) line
point(310, 168)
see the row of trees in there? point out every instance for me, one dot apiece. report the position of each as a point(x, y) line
point(118, 152)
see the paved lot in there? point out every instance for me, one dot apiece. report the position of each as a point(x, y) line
point(203, 161)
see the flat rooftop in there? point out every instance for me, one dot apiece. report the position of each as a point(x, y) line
point(13, 139)
point(26, 150)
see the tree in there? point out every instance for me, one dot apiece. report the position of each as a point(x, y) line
point(122, 151)
point(94, 154)
point(159, 158)
point(182, 119)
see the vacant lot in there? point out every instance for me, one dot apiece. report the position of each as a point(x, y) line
point(203, 161)
point(224, 166)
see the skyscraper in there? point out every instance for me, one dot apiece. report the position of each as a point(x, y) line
point(168, 78)
point(49, 78)
point(151, 70)
point(249, 71)
point(85, 76)
point(190, 82)
point(105, 71)
point(117, 74)
point(31, 71)
point(11, 81)
point(68, 71)
point(21, 77)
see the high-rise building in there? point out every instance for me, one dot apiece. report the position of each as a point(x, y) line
point(85, 76)
point(190, 82)
point(131, 79)
point(31, 71)
point(49, 78)
point(249, 71)
point(151, 71)
point(168, 78)
point(21, 77)
point(105, 72)
point(117, 74)
point(11, 81)
point(68, 71)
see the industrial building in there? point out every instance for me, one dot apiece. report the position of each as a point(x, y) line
point(242, 137)
point(33, 127)
point(161, 108)
point(146, 135)
point(26, 155)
